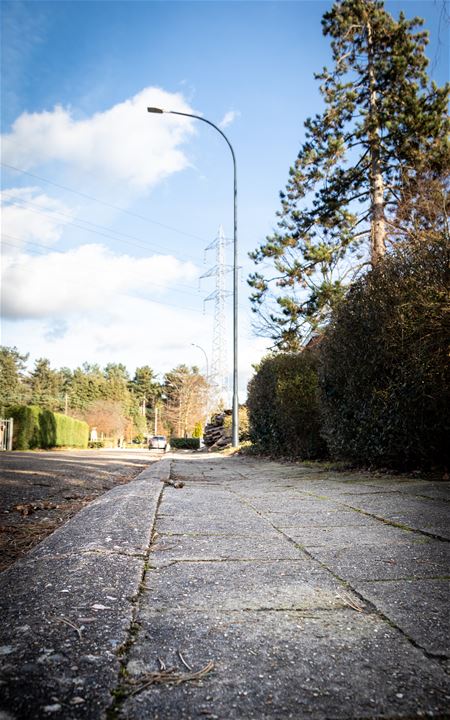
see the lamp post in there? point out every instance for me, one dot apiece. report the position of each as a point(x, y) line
point(206, 358)
point(235, 408)
point(208, 386)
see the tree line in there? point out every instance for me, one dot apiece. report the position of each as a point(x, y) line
point(109, 399)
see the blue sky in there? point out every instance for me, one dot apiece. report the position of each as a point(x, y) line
point(87, 281)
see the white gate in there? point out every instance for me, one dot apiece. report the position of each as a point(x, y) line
point(6, 433)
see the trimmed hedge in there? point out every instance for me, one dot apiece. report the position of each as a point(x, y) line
point(283, 406)
point(35, 428)
point(26, 432)
point(185, 443)
point(385, 374)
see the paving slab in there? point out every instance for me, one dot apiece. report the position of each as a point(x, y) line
point(430, 516)
point(198, 547)
point(386, 562)
point(240, 523)
point(293, 507)
point(330, 518)
point(282, 584)
point(373, 534)
point(419, 607)
point(339, 664)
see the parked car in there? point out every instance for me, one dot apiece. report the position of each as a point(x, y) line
point(158, 442)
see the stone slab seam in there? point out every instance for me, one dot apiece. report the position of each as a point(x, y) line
point(118, 692)
point(386, 521)
point(373, 608)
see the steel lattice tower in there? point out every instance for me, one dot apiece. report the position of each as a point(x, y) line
point(218, 374)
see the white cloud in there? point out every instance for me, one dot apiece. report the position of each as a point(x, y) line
point(131, 330)
point(134, 331)
point(121, 144)
point(83, 280)
point(229, 118)
point(29, 215)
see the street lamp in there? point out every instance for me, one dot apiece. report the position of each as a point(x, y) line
point(235, 410)
point(208, 386)
point(206, 358)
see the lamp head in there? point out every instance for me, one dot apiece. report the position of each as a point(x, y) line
point(154, 110)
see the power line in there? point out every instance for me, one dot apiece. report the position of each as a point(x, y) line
point(54, 250)
point(52, 213)
point(103, 202)
point(59, 252)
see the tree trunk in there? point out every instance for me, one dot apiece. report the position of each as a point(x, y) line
point(378, 222)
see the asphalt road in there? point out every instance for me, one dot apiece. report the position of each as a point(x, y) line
point(39, 491)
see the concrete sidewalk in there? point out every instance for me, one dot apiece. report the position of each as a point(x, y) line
point(257, 590)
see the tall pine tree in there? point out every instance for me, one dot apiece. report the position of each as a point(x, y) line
point(384, 127)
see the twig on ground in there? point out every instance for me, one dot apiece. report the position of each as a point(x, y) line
point(184, 661)
point(69, 623)
point(169, 677)
point(350, 601)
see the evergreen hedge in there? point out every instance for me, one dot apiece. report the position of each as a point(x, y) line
point(26, 432)
point(34, 427)
point(284, 408)
point(385, 373)
point(185, 443)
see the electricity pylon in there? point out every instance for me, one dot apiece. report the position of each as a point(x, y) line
point(218, 379)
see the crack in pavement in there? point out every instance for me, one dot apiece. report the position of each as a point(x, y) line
point(343, 581)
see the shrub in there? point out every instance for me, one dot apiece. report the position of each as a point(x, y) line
point(70, 432)
point(384, 374)
point(26, 431)
point(185, 443)
point(283, 405)
point(35, 428)
point(47, 424)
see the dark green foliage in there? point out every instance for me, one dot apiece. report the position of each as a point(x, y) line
point(68, 432)
point(383, 126)
point(38, 428)
point(46, 386)
point(86, 386)
point(283, 406)
point(26, 432)
point(12, 366)
point(47, 426)
point(385, 373)
point(192, 443)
